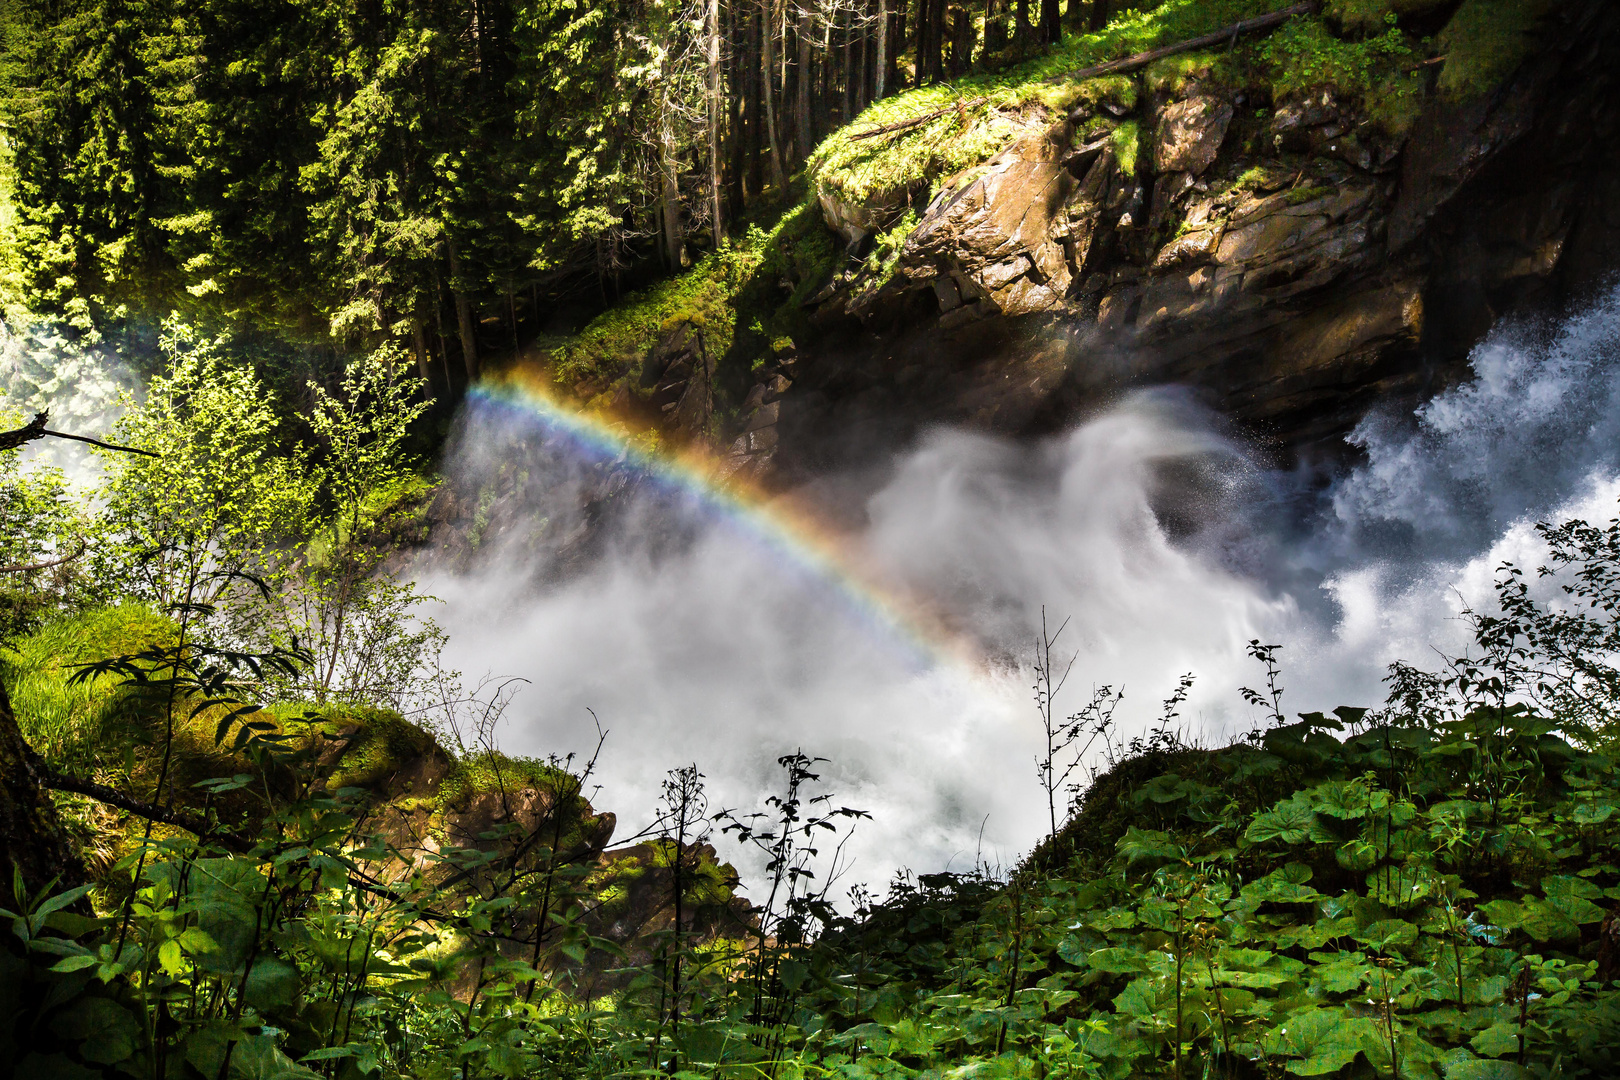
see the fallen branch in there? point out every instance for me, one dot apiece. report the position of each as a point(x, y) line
point(1230, 33)
point(34, 429)
point(918, 121)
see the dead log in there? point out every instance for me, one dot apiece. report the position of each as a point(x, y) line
point(1124, 63)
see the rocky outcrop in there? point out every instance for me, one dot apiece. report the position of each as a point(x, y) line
point(1294, 264)
point(752, 452)
point(680, 372)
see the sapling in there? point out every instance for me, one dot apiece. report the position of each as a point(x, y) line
point(1062, 758)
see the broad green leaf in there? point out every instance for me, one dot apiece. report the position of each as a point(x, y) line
point(1558, 917)
point(271, 983)
point(1289, 822)
point(1340, 974)
point(1387, 934)
point(1073, 951)
point(62, 900)
point(1345, 799)
point(74, 963)
point(1117, 961)
point(794, 974)
point(170, 958)
point(1569, 885)
point(1322, 1040)
point(1503, 913)
point(1149, 846)
point(1498, 1039)
point(1315, 935)
point(1143, 998)
point(1285, 886)
point(106, 1032)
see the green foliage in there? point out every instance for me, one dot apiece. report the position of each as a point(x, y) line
point(981, 114)
point(1424, 890)
point(72, 723)
point(1371, 16)
point(1303, 56)
point(41, 539)
point(219, 496)
point(1127, 143)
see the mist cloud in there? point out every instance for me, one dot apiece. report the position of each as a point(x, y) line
point(1156, 537)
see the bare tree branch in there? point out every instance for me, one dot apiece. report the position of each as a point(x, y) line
point(36, 429)
point(22, 568)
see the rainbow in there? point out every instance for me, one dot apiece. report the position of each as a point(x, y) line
point(818, 554)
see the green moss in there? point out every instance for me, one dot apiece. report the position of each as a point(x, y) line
point(981, 115)
point(885, 256)
point(1485, 42)
point(1370, 16)
point(381, 742)
point(1172, 74)
point(1127, 141)
point(701, 296)
point(1306, 193)
point(73, 723)
point(480, 773)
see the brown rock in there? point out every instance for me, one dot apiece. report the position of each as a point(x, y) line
point(1190, 134)
point(764, 416)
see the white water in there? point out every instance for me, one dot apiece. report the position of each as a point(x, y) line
point(711, 650)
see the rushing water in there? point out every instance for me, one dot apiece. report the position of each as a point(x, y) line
point(1162, 543)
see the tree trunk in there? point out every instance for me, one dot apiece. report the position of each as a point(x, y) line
point(715, 115)
point(669, 193)
point(854, 67)
point(1051, 26)
point(801, 113)
point(419, 346)
point(464, 319)
point(882, 50)
point(444, 344)
point(736, 92)
point(936, 55)
point(753, 106)
point(920, 74)
point(31, 836)
point(767, 65)
point(1099, 15)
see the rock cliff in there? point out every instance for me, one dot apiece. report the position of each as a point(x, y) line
point(1294, 260)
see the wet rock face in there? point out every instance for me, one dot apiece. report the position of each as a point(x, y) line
point(1295, 264)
